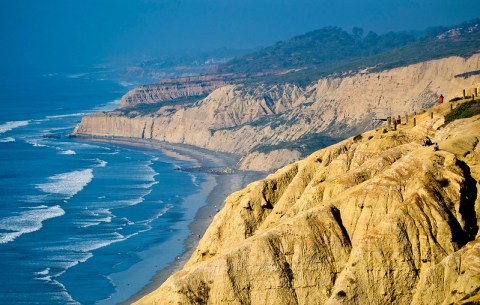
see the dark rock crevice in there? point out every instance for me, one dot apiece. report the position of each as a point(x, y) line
point(468, 197)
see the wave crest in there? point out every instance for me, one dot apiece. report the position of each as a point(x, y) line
point(67, 184)
point(12, 125)
point(26, 222)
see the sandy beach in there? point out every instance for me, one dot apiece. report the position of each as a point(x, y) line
point(223, 180)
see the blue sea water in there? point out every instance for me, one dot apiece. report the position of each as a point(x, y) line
point(79, 221)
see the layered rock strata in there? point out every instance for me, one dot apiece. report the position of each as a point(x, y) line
point(241, 119)
point(375, 219)
point(173, 88)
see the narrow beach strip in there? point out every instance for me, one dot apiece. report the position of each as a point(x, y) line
point(221, 180)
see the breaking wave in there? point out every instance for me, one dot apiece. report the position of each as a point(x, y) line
point(26, 222)
point(12, 125)
point(67, 184)
point(6, 140)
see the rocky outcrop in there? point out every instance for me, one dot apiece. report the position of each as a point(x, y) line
point(265, 161)
point(375, 219)
point(173, 88)
point(240, 118)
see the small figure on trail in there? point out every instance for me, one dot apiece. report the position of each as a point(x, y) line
point(440, 98)
point(435, 147)
point(427, 141)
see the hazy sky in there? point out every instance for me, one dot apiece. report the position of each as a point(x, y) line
point(70, 33)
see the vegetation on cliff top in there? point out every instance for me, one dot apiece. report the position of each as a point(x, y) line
point(465, 110)
point(332, 50)
point(147, 108)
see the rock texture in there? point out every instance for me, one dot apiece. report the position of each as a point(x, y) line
point(260, 161)
point(169, 89)
point(374, 219)
point(240, 119)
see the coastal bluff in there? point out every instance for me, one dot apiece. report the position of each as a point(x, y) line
point(374, 219)
point(260, 121)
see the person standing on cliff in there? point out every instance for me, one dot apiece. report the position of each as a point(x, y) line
point(440, 98)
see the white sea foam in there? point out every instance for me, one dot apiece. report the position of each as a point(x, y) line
point(130, 202)
point(77, 75)
point(67, 261)
point(89, 243)
point(101, 163)
point(26, 222)
point(65, 115)
point(92, 223)
point(148, 185)
point(67, 152)
point(108, 106)
point(97, 217)
point(44, 279)
point(35, 143)
point(162, 212)
point(63, 294)
point(37, 207)
point(8, 139)
point(125, 83)
point(35, 199)
point(67, 184)
point(12, 125)
point(43, 272)
point(194, 179)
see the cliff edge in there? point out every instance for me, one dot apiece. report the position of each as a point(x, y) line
point(262, 121)
point(375, 219)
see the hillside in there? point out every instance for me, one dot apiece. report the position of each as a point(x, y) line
point(332, 50)
point(375, 219)
point(281, 123)
point(279, 104)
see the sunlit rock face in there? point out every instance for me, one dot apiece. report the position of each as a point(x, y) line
point(375, 219)
point(247, 119)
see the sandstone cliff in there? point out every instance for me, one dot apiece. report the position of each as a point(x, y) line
point(169, 89)
point(242, 119)
point(374, 219)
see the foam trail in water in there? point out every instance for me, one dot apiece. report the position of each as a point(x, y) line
point(65, 115)
point(67, 152)
point(125, 83)
point(43, 272)
point(11, 125)
point(109, 106)
point(96, 217)
point(6, 140)
point(67, 184)
point(35, 143)
point(89, 243)
point(194, 179)
point(26, 222)
point(101, 163)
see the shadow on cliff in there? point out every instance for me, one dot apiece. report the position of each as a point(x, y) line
point(468, 196)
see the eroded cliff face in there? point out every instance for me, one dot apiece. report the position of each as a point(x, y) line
point(375, 219)
point(240, 119)
point(174, 88)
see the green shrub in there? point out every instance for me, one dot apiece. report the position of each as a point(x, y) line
point(465, 110)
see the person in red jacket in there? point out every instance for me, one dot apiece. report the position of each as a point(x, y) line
point(440, 98)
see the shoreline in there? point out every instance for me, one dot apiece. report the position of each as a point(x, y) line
point(216, 165)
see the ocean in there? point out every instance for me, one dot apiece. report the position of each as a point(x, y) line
point(83, 222)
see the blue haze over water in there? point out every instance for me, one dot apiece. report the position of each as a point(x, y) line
point(77, 219)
